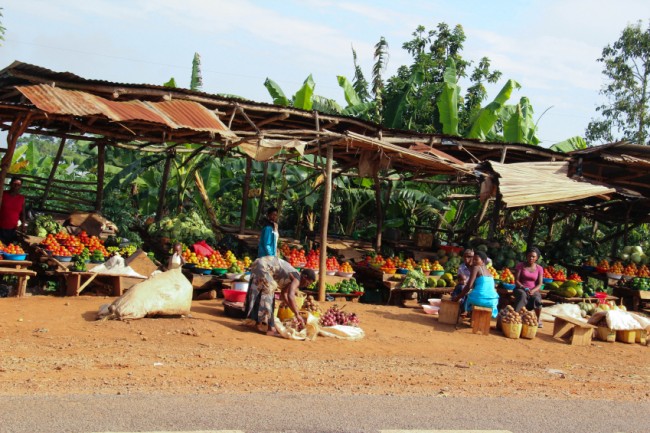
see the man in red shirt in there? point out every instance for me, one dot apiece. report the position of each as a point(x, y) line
point(12, 209)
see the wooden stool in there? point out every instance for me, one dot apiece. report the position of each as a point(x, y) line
point(449, 311)
point(481, 320)
point(579, 332)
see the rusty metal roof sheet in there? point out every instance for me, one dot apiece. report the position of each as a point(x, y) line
point(177, 114)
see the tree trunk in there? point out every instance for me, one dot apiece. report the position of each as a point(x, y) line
point(325, 216)
point(380, 214)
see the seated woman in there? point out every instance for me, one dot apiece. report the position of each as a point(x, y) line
point(267, 274)
point(528, 284)
point(480, 289)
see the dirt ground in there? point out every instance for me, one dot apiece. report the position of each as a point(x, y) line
point(54, 345)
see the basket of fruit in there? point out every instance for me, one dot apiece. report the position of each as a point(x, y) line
point(14, 252)
point(62, 258)
point(9, 256)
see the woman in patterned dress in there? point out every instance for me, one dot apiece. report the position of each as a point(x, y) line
point(268, 274)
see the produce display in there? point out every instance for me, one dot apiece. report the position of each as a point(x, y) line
point(67, 245)
point(313, 259)
point(349, 286)
point(13, 249)
point(336, 316)
point(640, 283)
point(506, 276)
point(528, 317)
point(493, 272)
point(509, 315)
point(312, 306)
point(346, 267)
point(295, 256)
point(332, 264)
point(188, 227)
point(415, 279)
point(43, 225)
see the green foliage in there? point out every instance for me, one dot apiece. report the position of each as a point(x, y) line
point(196, 80)
point(171, 83)
point(415, 279)
point(626, 66)
point(570, 144)
point(303, 97)
point(2, 28)
point(448, 100)
point(187, 228)
point(43, 225)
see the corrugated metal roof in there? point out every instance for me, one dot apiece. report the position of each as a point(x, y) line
point(526, 184)
point(174, 114)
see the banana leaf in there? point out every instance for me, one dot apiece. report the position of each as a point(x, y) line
point(276, 93)
point(489, 114)
point(448, 101)
point(303, 97)
point(395, 110)
point(570, 144)
point(350, 94)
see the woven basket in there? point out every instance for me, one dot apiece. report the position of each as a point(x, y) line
point(511, 330)
point(528, 331)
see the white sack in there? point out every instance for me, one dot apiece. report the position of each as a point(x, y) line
point(166, 294)
point(571, 310)
point(618, 320)
point(343, 332)
point(309, 333)
point(115, 266)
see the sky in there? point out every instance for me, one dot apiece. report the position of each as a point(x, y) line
point(550, 47)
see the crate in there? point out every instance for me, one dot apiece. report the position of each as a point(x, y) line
point(641, 337)
point(424, 240)
point(448, 312)
point(481, 317)
point(628, 337)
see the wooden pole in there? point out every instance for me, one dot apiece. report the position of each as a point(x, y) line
point(495, 217)
point(101, 158)
point(260, 207)
point(16, 130)
point(380, 213)
point(55, 165)
point(245, 191)
point(531, 231)
point(216, 229)
point(163, 186)
point(324, 221)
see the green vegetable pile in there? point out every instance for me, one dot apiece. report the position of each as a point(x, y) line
point(641, 283)
point(186, 227)
point(349, 286)
point(415, 279)
point(42, 225)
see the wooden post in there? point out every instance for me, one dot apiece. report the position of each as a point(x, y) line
point(503, 154)
point(380, 213)
point(531, 231)
point(216, 229)
point(55, 165)
point(163, 186)
point(260, 207)
point(101, 158)
point(245, 191)
point(17, 128)
point(324, 221)
point(495, 217)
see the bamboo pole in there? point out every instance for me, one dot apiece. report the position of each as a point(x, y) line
point(325, 216)
point(101, 158)
point(163, 186)
point(55, 165)
point(245, 191)
point(495, 217)
point(18, 126)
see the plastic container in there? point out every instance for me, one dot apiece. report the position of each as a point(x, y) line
point(628, 337)
point(202, 271)
point(240, 286)
point(547, 280)
point(232, 276)
point(219, 271)
point(8, 256)
point(345, 274)
point(508, 286)
point(614, 276)
point(59, 258)
point(437, 273)
point(430, 309)
point(330, 273)
point(605, 334)
point(234, 295)
point(434, 302)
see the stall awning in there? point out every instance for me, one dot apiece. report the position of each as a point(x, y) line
point(176, 114)
point(535, 183)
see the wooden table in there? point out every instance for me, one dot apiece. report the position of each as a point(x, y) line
point(16, 264)
point(422, 294)
point(631, 297)
point(76, 282)
point(575, 300)
point(579, 331)
point(350, 297)
point(22, 275)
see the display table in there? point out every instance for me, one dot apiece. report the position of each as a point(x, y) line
point(632, 298)
point(575, 300)
point(76, 282)
point(397, 294)
point(22, 275)
point(350, 297)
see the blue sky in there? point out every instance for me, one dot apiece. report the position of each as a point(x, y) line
point(550, 47)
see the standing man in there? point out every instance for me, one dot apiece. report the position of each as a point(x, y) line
point(12, 210)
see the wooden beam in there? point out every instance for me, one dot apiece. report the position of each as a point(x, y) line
point(380, 213)
point(325, 217)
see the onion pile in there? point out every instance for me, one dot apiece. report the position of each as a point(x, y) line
point(311, 305)
point(336, 316)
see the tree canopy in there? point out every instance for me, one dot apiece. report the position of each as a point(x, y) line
point(627, 70)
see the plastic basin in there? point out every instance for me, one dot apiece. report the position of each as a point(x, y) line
point(234, 295)
point(8, 256)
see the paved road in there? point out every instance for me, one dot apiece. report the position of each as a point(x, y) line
point(306, 413)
